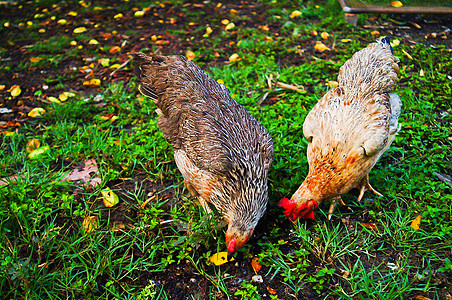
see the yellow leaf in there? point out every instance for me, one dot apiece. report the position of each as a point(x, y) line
point(320, 47)
point(225, 22)
point(92, 83)
point(35, 59)
point(332, 84)
point(233, 11)
point(325, 35)
point(139, 13)
point(93, 42)
point(375, 33)
point(36, 112)
point(234, 57)
point(73, 43)
point(295, 14)
point(32, 145)
point(220, 81)
point(255, 264)
point(114, 49)
point(109, 197)
point(105, 62)
point(416, 222)
point(190, 55)
point(63, 96)
point(89, 224)
point(421, 73)
point(36, 153)
point(220, 258)
point(407, 54)
point(396, 4)
point(2, 87)
point(118, 16)
point(15, 90)
point(154, 38)
point(395, 43)
point(230, 26)
point(208, 30)
point(72, 13)
point(115, 66)
point(79, 29)
point(62, 21)
point(345, 40)
point(53, 99)
point(29, 23)
point(6, 24)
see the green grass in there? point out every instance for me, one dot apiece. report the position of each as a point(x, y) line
point(367, 252)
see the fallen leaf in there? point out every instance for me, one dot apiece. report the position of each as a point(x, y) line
point(325, 35)
point(270, 290)
point(84, 175)
point(139, 13)
point(395, 43)
point(118, 16)
point(208, 30)
point(15, 90)
point(332, 84)
point(369, 226)
point(230, 26)
point(421, 73)
point(220, 258)
point(320, 47)
point(234, 57)
point(407, 54)
point(79, 29)
point(255, 264)
point(63, 97)
point(346, 40)
point(105, 62)
point(93, 42)
point(2, 87)
point(233, 11)
point(62, 21)
point(92, 83)
point(89, 224)
point(396, 4)
point(295, 13)
point(225, 22)
point(416, 222)
point(35, 154)
point(36, 112)
point(114, 49)
point(115, 66)
point(220, 81)
point(32, 145)
point(35, 59)
point(190, 55)
point(72, 13)
point(109, 197)
point(53, 99)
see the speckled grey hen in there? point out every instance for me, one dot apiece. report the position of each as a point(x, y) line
point(222, 151)
point(349, 129)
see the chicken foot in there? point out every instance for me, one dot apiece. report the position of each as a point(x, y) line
point(336, 200)
point(365, 186)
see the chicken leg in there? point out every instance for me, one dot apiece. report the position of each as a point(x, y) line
point(365, 186)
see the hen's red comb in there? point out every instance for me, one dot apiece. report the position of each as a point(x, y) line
point(305, 211)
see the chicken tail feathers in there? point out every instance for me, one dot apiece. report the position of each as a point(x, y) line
point(373, 69)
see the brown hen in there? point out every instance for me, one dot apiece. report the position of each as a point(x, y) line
point(222, 151)
point(348, 130)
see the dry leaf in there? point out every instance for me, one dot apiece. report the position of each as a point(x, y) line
point(114, 49)
point(118, 16)
point(421, 73)
point(234, 57)
point(36, 112)
point(346, 40)
point(93, 42)
point(2, 87)
point(32, 145)
point(396, 4)
point(92, 83)
point(79, 29)
point(220, 258)
point(375, 33)
point(15, 90)
point(72, 13)
point(109, 197)
point(395, 43)
point(190, 55)
point(369, 226)
point(407, 54)
point(105, 62)
point(84, 174)
point(89, 224)
point(325, 35)
point(270, 290)
point(63, 97)
point(225, 22)
point(208, 30)
point(220, 81)
point(35, 59)
point(416, 222)
point(62, 21)
point(320, 47)
point(332, 84)
point(255, 264)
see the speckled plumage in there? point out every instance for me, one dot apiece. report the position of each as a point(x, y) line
point(222, 151)
point(351, 126)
